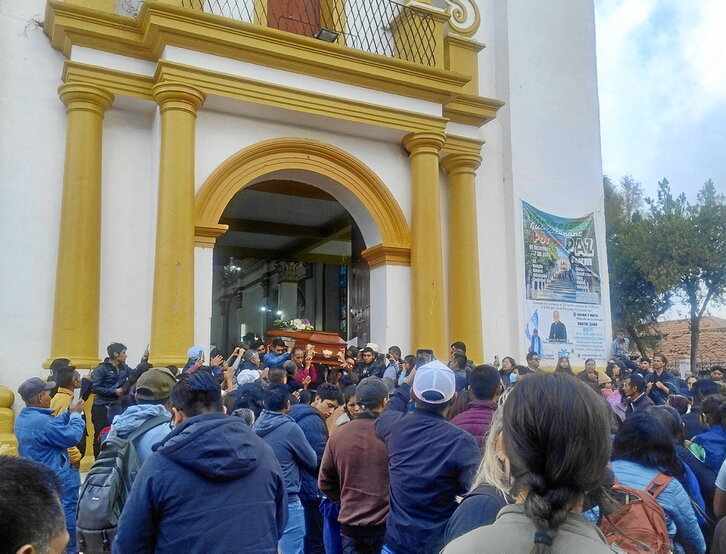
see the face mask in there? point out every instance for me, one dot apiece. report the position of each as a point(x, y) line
point(512, 377)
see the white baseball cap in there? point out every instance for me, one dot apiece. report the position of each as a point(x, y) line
point(434, 383)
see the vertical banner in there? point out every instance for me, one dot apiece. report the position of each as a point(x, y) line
point(563, 294)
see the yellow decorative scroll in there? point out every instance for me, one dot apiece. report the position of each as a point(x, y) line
point(464, 20)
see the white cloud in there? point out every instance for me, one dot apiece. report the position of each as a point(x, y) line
point(704, 49)
point(662, 83)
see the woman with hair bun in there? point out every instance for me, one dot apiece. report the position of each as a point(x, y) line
point(549, 421)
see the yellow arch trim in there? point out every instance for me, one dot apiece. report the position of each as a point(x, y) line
point(268, 156)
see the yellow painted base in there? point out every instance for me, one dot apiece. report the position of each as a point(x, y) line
point(8, 441)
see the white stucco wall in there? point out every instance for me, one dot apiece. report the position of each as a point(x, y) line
point(544, 146)
point(32, 139)
point(128, 228)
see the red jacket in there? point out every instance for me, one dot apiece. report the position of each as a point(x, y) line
point(477, 418)
point(301, 373)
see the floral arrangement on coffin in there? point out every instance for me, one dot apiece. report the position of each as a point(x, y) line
point(293, 325)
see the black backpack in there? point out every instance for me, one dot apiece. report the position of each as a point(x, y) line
point(106, 488)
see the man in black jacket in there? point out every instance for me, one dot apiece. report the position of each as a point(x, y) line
point(108, 387)
point(660, 383)
point(368, 367)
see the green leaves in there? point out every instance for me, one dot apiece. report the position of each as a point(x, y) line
point(673, 248)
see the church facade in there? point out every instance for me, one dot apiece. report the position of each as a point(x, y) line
point(179, 172)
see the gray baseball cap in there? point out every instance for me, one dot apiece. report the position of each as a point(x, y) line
point(33, 387)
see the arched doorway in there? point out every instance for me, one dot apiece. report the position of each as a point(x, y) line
point(260, 201)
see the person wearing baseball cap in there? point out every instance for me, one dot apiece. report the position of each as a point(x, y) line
point(431, 461)
point(46, 439)
point(153, 390)
point(359, 482)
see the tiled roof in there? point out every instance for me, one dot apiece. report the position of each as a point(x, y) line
point(676, 339)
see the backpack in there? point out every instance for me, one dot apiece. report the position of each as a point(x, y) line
point(106, 488)
point(639, 525)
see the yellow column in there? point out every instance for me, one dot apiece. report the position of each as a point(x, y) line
point(172, 313)
point(77, 284)
point(464, 292)
point(427, 272)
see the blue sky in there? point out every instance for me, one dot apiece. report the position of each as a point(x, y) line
point(662, 85)
point(662, 82)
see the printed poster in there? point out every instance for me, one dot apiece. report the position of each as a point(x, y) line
point(563, 307)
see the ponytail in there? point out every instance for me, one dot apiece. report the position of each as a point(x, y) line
point(547, 509)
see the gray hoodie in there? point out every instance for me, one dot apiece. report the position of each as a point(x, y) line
point(133, 418)
point(291, 447)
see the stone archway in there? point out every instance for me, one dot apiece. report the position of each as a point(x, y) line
point(374, 208)
point(298, 154)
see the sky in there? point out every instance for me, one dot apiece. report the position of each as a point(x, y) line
point(662, 85)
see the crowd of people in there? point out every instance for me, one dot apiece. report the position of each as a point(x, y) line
point(266, 451)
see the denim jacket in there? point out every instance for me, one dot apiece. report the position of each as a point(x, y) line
point(45, 439)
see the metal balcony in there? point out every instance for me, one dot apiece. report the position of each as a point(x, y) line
point(381, 27)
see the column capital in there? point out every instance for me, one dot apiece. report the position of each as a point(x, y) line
point(80, 96)
point(178, 96)
point(461, 163)
point(427, 141)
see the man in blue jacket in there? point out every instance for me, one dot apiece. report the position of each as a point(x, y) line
point(46, 439)
point(311, 419)
point(430, 461)
point(211, 486)
point(278, 356)
point(293, 451)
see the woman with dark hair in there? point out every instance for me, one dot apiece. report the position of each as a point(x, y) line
point(643, 450)
point(548, 419)
point(350, 406)
point(508, 365)
point(710, 446)
point(616, 373)
point(564, 366)
point(687, 477)
point(409, 362)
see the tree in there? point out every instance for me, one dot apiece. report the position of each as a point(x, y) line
point(681, 248)
point(636, 302)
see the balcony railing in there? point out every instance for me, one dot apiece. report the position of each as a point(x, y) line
point(379, 26)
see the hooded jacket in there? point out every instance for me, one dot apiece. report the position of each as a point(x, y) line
point(293, 451)
point(315, 430)
point(477, 418)
point(712, 443)
point(133, 418)
point(211, 486)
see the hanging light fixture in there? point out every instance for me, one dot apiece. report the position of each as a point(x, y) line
point(232, 271)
